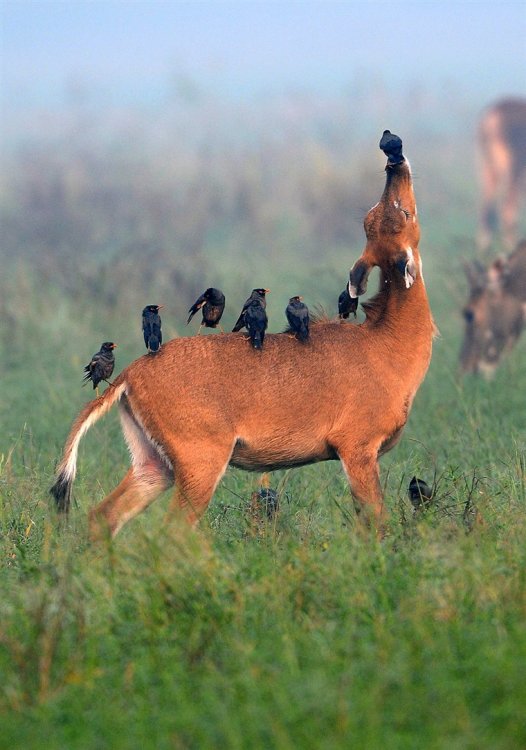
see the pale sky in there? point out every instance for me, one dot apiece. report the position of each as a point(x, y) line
point(247, 47)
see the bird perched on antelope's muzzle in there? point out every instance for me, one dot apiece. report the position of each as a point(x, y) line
point(297, 314)
point(212, 304)
point(391, 145)
point(101, 365)
point(253, 317)
point(151, 328)
point(347, 304)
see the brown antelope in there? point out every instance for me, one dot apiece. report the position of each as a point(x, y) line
point(502, 144)
point(204, 403)
point(496, 311)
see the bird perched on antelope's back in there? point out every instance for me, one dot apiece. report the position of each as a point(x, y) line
point(257, 295)
point(347, 304)
point(101, 365)
point(151, 327)
point(297, 314)
point(420, 494)
point(211, 303)
point(256, 322)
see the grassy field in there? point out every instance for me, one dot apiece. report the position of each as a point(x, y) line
point(300, 632)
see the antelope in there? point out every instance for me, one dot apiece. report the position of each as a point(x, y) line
point(204, 403)
point(502, 146)
point(496, 311)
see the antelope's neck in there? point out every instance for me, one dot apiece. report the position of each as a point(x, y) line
point(401, 319)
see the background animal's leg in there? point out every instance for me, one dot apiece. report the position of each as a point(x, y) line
point(362, 473)
point(138, 489)
point(489, 214)
point(510, 212)
point(197, 474)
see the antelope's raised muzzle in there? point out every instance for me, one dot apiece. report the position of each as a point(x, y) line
point(391, 145)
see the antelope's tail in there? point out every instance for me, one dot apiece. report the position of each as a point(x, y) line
point(67, 468)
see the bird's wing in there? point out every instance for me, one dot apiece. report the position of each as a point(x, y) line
point(146, 328)
point(240, 322)
point(303, 313)
point(156, 329)
point(198, 304)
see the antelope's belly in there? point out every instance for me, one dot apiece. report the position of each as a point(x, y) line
point(270, 454)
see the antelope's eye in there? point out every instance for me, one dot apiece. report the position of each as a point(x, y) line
point(468, 314)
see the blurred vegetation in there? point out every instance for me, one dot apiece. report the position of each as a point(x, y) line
point(294, 633)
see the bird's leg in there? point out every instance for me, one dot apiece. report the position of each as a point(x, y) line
point(97, 391)
point(109, 383)
point(221, 328)
point(199, 329)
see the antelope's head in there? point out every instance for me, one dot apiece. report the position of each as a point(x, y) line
point(494, 317)
point(391, 227)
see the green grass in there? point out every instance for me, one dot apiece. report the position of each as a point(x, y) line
point(303, 632)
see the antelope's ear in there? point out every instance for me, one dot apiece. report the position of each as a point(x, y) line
point(498, 272)
point(475, 274)
point(358, 278)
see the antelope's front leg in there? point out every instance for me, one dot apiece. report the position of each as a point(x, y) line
point(363, 475)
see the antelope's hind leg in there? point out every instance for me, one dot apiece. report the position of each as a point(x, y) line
point(197, 472)
point(139, 488)
point(149, 475)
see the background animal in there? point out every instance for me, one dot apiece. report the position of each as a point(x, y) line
point(495, 312)
point(502, 152)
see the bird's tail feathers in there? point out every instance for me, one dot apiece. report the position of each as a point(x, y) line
point(303, 334)
point(256, 339)
point(154, 344)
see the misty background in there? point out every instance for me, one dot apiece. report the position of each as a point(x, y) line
point(152, 149)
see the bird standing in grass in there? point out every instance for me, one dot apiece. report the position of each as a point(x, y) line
point(211, 303)
point(257, 295)
point(101, 366)
point(420, 494)
point(297, 314)
point(265, 498)
point(347, 304)
point(151, 327)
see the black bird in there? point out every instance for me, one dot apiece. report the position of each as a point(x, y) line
point(101, 365)
point(256, 323)
point(211, 303)
point(297, 314)
point(420, 494)
point(258, 295)
point(151, 327)
point(391, 145)
point(265, 500)
point(347, 304)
